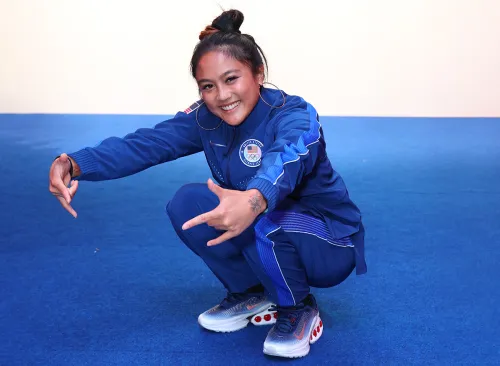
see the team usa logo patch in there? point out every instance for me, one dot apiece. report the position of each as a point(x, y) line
point(251, 152)
point(193, 107)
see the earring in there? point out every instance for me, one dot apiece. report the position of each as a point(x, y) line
point(281, 91)
point(198, 122)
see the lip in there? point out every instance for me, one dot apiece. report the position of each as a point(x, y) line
point(238, 102)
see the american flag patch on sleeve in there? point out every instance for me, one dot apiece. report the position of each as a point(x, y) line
point(193, 106)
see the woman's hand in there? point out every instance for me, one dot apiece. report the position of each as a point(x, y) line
point(59, 178)
point(235, 213)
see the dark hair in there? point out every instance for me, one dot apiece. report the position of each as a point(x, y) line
point(224, 35)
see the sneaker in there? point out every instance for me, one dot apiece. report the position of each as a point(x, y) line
point(236, 311)
point(295, 330)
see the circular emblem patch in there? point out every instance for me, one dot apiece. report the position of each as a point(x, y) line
point(251, 152)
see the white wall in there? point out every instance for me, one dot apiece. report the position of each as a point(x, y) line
point(363, 57)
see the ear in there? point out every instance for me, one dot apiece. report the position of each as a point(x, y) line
point(260, 75)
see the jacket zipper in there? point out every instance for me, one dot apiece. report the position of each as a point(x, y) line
point(228, 155)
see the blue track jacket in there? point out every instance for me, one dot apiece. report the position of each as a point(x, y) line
point(279, 151)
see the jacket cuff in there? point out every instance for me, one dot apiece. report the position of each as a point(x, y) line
point(267, 189)
point(85, 161)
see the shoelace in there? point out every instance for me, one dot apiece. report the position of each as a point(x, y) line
point(288, 318)
point(233, 298)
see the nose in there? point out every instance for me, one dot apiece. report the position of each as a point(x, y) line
point(224, 93)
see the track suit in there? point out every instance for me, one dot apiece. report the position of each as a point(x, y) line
point(310, 235)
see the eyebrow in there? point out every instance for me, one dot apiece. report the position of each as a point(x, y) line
point(224, 74)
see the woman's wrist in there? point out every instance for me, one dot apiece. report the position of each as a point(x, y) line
point(257, 201)
point(75, 168)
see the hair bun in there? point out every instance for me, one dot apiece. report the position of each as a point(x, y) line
point(229, 21)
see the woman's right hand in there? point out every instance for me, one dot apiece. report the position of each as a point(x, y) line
point(59, 179)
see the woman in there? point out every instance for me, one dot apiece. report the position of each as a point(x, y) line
point(280, 219)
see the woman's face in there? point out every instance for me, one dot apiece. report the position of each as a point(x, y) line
point(228, 87)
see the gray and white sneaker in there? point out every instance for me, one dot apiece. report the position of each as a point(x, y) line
point(295, 330)
point(236, 311)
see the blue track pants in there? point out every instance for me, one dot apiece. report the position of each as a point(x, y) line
point(286, 252)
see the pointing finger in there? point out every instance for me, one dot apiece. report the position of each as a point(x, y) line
point(66, 205)
point(200, 219)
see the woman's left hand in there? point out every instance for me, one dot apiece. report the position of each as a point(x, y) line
point(236, 211)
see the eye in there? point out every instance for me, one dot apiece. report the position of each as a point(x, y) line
point(206, 87)
point(231, 79)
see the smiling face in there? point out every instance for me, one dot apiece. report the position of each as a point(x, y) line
point(228, 87)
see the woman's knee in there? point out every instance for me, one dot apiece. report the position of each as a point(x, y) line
point(185, 204)
point(190, 201)
point(338, 264)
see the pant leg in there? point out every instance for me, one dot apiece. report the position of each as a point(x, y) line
point(295, 252)
point(225, 260)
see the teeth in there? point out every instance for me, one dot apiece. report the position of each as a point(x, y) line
point(231, 106)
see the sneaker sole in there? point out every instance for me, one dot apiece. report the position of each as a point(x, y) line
point(303, 349)
point(262, 316)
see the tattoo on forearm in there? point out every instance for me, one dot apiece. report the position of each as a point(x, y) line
point(256, 203)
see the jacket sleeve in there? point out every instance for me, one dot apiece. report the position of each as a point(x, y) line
point(120, 157)
point(296, 149)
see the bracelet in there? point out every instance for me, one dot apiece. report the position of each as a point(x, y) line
point(70, 165)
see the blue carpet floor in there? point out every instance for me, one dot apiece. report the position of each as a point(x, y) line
point(116, 286)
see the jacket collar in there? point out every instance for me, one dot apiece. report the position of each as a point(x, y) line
point(269, 99)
